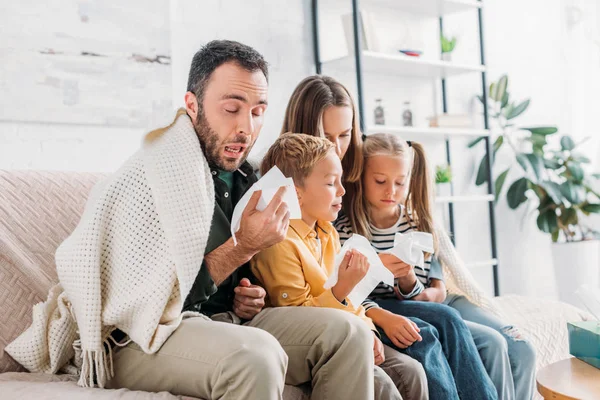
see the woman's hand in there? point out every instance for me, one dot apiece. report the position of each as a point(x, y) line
point(436, 293)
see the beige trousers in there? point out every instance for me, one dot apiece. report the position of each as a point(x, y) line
point(331, 349)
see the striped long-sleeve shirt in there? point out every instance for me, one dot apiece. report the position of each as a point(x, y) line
point(382, 240)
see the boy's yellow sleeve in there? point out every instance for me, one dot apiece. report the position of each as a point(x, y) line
point(280, 270)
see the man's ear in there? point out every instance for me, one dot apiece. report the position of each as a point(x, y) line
point(191, 105)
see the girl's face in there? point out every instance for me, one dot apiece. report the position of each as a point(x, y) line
point(386, 181)
point(337, 126)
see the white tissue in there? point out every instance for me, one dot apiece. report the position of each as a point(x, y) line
point(409, 247)
point(269, 184)
point(377, 271)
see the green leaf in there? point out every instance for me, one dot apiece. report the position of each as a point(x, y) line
point(569, 216)
point(500, 182)
point(504, 100)
point(541, 130)
point(596, 175)
point(536, 163)
point(567, 143)
point(592, 208)
point(574, 193)
point(523, 161)
point(555, 235)
point(547, 221)
point(516, 193)
point(482, 172)
point(493, 89)
point(552, 164)
point(580, 158)
point(517, 110)
point(576, 172)
point(501, 88)
point(474, 142)
point(553, 190)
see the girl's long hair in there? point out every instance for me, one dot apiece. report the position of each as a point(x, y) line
point(419, 199)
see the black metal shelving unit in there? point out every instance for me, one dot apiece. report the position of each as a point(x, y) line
point(358, 65)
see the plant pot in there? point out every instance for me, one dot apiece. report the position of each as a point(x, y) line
point(575, 264)
point(446, 56)
point(443, 189)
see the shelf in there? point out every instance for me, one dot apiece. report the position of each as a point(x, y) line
point(428, 8)
point(479, 264)
point(464, 199)
point(399, 64)
point(414, 132)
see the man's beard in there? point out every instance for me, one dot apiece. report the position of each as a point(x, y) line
point(209, 140)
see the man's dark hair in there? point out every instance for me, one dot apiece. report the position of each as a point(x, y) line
point(218, 52)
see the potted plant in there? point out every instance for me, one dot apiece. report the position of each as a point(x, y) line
point(443, 178)
point(551, 180)
point(448, 45)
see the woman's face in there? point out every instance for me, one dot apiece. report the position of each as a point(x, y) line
point(337, 126)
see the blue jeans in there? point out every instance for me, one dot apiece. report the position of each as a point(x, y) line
point(509, 360)
point(447, 352)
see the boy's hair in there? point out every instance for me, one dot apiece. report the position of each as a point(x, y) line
point(296, 154)
point(304, 113)
point(419, 199)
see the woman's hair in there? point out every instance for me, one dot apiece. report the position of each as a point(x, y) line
point(419, 199)
point(296, 155)
point(305, 110)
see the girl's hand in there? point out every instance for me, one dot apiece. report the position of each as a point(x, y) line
point(436, 293)
point(399, 268)
point(378, 351)
point(353, 268)
point(402, 331)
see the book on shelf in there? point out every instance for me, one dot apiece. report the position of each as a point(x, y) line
point(451, 121)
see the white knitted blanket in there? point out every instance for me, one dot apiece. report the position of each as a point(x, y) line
point(458, 278)
point(130, 262)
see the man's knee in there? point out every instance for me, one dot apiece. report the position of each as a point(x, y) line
point(259, 354)
point(492, 342)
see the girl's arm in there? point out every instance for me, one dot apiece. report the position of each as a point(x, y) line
point(435, 293)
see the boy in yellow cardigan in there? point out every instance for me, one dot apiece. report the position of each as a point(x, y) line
point(294, 271)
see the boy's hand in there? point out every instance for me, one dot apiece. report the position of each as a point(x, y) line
point(262, 229)
point(378, 351)
point(402, 331)
point(249, 299)
point(399, 268)
point(353, 268)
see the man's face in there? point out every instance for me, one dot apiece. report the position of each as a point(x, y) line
point(231, 115)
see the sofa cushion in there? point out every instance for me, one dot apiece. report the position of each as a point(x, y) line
point(38, 210)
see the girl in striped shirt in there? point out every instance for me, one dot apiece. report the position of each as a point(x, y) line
point(394, 195)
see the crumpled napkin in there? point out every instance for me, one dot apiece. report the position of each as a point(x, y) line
point(409, 247)
point(269, 184)
point(377, 271)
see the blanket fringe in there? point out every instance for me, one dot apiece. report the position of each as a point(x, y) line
point(97, 367)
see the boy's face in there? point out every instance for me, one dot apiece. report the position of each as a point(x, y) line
point(320, 197)
point(385, 181)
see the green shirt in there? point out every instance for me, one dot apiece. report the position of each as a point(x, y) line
point(205, 296)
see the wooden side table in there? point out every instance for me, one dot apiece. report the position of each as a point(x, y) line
point(569, 379)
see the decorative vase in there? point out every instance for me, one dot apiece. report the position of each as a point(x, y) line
point(447, 56)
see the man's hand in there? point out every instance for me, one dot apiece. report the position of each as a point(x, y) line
point(399, 268)
point(262, 229)
point(378, 351)
point(402, 331)
point(249, 299)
